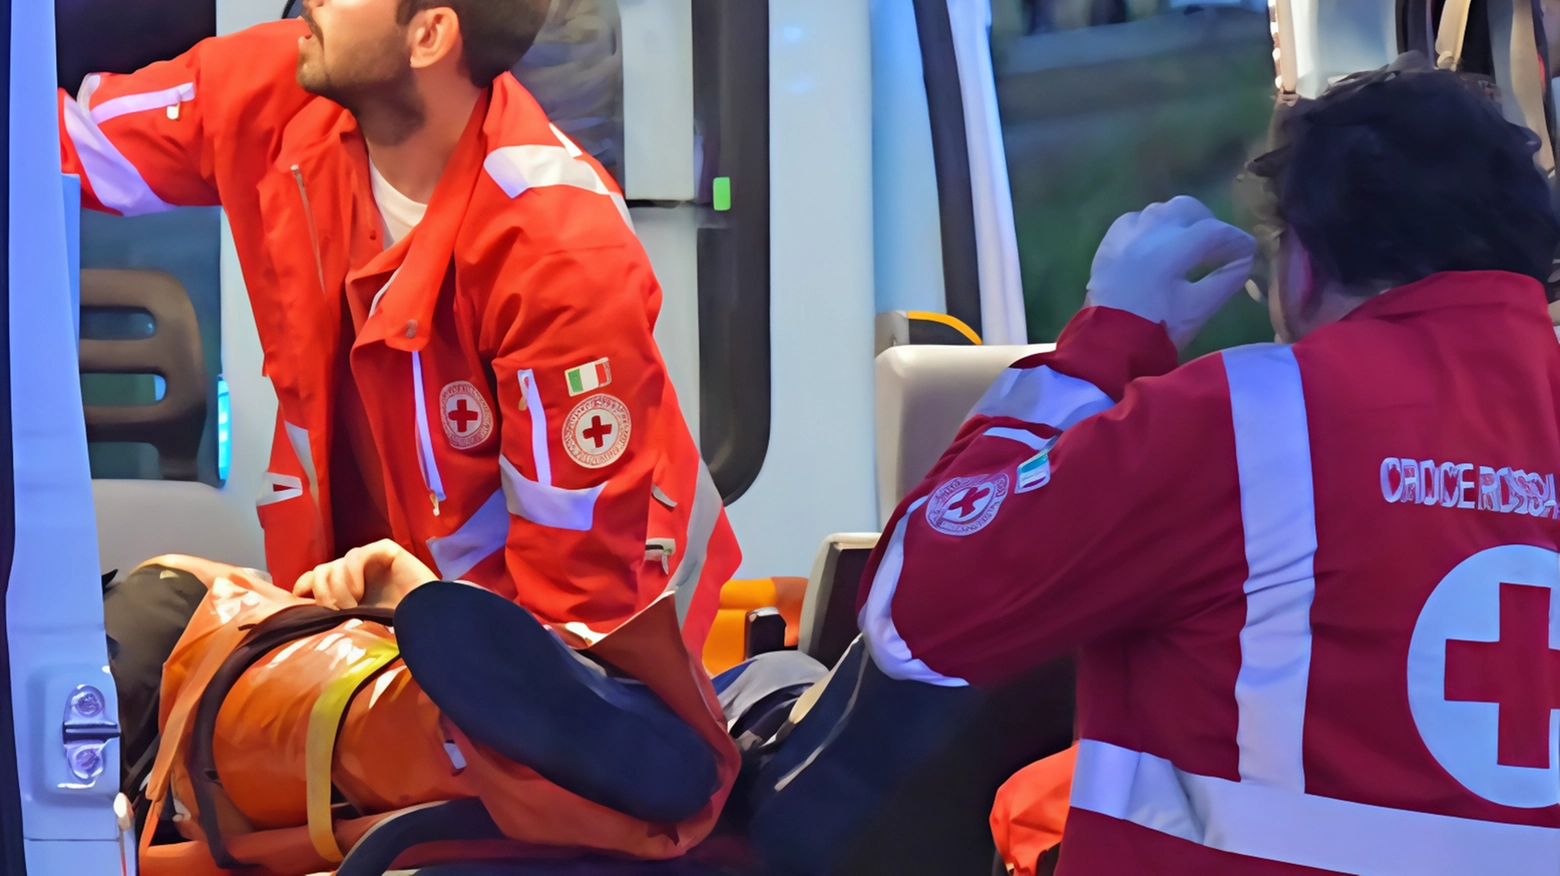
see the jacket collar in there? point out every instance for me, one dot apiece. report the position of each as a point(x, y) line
point(1456, 289)
point(416, 266)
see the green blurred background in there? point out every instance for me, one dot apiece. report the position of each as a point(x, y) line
point(1109, 105)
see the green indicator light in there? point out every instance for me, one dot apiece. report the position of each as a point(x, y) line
point(722, 193)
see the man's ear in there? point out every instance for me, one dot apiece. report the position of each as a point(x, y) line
point(434, 35)
point(1301, 277)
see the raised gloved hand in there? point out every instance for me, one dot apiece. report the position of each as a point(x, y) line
point(1142, 265)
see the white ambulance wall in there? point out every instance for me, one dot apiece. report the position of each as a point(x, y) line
point(658, 165)
point(818, 477)
point(1337, 37)
point(671, 239)
point(907, 223)
point(54, 621)
point(252, 401)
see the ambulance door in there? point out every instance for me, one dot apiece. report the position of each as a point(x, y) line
point(56, 797)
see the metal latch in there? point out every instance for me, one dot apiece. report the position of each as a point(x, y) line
point(87, 729)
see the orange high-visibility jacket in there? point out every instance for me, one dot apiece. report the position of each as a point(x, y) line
point(529, 438)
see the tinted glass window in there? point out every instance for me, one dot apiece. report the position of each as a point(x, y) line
point(1109, 105)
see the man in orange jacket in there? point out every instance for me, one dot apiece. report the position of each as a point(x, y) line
point(455, 312)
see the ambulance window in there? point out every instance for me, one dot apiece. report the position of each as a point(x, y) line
point(1109, 105)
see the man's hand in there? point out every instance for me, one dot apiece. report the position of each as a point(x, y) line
point(1142, 265)
point(377, 575)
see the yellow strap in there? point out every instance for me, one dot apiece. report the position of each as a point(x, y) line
point(320, 744)
point(952, 322)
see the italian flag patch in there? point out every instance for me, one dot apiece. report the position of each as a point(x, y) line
point(591, 375)
point(1035, 472)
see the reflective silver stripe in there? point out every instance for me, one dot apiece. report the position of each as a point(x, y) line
point(291, 488)
point(545, 504)
point(1040, 395)
point(540, 455)
point(135, 103)
point(1022, 436)
point(1283, 824)
point(518, 169)
point(481, 536)
point(702, 517)
point(298, 437)
point(425, 457)
point(116, 183)
point(379, 296)
point(1278, 516)
point(876, 620)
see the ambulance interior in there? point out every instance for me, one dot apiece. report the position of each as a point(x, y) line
point(860, 213)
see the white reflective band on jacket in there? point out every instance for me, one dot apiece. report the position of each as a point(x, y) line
point(1280, 824)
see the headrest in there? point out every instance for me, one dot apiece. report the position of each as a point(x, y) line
point(173, 424)
point(924, 393)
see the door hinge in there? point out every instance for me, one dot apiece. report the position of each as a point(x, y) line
point(87, 729)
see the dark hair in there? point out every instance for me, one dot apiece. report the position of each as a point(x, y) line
point(496, 33)
point(1405, 172)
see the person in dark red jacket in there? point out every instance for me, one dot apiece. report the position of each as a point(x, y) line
point(1311, 585)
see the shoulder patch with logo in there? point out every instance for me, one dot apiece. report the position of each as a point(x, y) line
point(596, 432)
point(468, 421)
point(964, 506)
point(1035, 472)
point(588, 377)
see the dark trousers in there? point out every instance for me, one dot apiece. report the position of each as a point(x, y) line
point(144, 615)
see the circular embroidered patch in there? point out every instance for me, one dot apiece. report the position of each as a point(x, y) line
point(468, 421)
point(596, 431)
point(964, 506)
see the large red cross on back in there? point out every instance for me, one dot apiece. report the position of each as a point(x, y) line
point(1520, 673)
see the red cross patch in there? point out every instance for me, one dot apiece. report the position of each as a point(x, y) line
point(964, 506)
point(596, 431)
point(468, 421)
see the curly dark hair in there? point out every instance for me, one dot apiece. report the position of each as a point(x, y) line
point(496, 33)
point(1404, 172)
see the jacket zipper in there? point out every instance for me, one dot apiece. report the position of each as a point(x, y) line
point(314, 232)
point(425, 458)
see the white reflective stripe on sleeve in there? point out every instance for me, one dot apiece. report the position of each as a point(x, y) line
point(545, 504)
point(134, 103)
point(540, 455)
point(573, 149)
point(1278, 516)
point(702, 517)
point(1285, 825)
point(483, 535)
point(425, 458)
point(1022, 436)
point(518, 169)
point(876, 620)
point(1040, 395)
point(298, 437)
point(116, 183)
point(291, 488)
